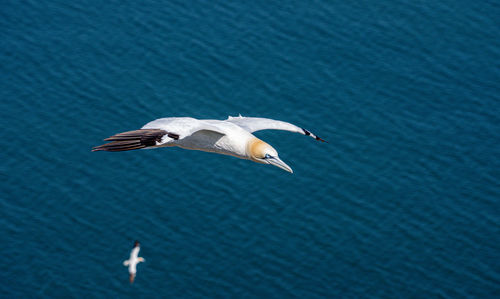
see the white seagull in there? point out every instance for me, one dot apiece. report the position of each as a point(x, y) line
point(133, 261)
point(232, 136)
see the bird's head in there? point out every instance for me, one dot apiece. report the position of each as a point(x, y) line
point(261, 152)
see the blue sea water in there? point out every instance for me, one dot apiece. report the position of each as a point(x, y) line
point(403, 202)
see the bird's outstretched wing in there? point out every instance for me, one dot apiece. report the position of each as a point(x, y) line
point(252, 124)
point(182, 126)
point(157, 132)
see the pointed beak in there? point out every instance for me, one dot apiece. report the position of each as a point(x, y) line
point(277, 162)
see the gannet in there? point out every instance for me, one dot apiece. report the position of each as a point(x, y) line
point(133, 261)
point(232, 136)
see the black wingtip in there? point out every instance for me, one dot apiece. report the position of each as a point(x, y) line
point(308, 133)
point(133, 140)
point(320, 139)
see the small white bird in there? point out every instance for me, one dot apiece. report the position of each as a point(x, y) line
point(232, 136)
point(133, 261)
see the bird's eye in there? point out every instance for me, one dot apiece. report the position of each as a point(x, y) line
point(268, 156)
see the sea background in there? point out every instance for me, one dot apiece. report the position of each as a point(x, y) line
point(403, 202)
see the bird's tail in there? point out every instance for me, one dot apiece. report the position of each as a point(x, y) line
point(125, 263)
point(132, 140)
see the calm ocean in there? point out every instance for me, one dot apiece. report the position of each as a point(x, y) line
point(403, 202)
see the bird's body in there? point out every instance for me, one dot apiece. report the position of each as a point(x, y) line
point(133, 260)
point(228, 137)
point(205, 135)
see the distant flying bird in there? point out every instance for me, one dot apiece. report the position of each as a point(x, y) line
point(232, 136)
point(133, 261)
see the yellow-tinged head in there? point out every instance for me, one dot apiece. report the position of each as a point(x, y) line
point(261, 152)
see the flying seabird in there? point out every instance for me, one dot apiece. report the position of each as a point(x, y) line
point(232, 136)
point(133, 261)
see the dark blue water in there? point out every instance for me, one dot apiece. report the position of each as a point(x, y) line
point(402, 202)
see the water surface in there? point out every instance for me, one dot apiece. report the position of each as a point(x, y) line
point(402, 202)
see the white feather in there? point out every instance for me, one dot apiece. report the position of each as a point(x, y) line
point(252, 124)
point(232, 136)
